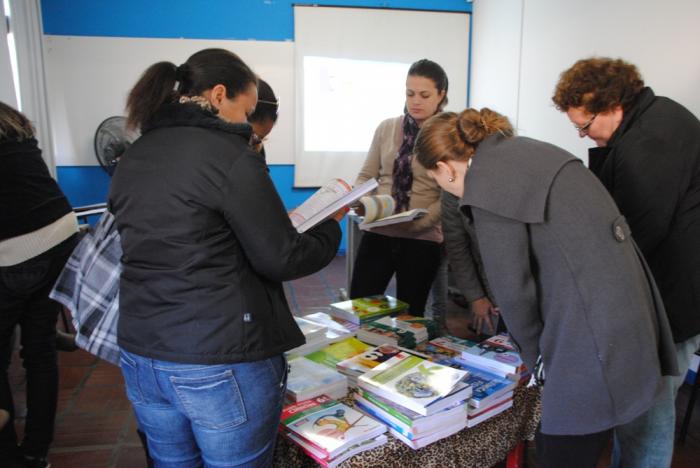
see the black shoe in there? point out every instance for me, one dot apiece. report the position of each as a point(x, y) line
point(65, 341)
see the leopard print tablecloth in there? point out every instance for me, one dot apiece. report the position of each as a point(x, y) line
point(479, 447)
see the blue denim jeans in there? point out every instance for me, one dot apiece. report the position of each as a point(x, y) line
point(647, 441)
point(197, 415)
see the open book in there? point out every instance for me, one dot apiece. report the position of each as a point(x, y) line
point(379, 211)
point(327, 200)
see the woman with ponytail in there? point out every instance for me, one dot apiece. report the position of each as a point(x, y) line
point(569, 280)
point(206, 245)
point(411, 250)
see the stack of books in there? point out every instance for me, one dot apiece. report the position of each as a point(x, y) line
point(357, 365)
point(416, 388)
point(308, 379)
point(406, 331)
point(320, 331)
point(331, 355)
point(330, 432)
point(491, 395)
point(445, 348)
point(367, 309)
point(496, 355)
point(414, 429)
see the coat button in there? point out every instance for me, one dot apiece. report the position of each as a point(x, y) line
point(619, 233)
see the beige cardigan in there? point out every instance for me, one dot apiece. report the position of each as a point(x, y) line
point(425, 192)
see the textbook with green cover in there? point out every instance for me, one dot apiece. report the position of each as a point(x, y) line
point(366, 309)
point(340, 351)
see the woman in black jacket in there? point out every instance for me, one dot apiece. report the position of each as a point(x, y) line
point(38, 231)
point(207, 244)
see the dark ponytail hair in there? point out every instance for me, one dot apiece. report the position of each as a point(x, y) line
point(451, 136)
point(429, 69)
point(268, 104)
point(164, 82)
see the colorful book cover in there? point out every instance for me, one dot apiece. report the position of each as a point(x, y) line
point(486, 386)
point(379, 333)
point(411, 381)
point(367, 308)
point(331, 355)
point(445, 347)
point(496, 353)
point(331, 426)
point(420, 326)
point(368, 360)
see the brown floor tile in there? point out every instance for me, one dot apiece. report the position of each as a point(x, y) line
point(101, 399)
point(81, 459)
point(71, 377)
point(105, 376)
point(76, 358)
point(131, 457)
point(85, 429)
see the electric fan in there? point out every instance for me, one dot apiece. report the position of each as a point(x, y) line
point(112, 139)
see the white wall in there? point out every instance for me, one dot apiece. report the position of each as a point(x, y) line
point(7, 88)
point(88, 79)
point(661, 38)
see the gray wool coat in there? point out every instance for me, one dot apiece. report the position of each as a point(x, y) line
point(570, 283)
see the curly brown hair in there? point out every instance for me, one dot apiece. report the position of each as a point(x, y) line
point(598, 84)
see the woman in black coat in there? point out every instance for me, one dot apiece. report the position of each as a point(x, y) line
point(569, 281)
point(647, 155)
point(207, 244)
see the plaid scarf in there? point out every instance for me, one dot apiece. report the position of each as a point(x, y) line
point(402, 174)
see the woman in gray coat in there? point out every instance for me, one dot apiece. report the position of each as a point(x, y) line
point(569, 281)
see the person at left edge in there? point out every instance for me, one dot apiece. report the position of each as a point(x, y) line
point(206, 245)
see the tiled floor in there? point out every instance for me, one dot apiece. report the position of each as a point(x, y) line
point(95, 426)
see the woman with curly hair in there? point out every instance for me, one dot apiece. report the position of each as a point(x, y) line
point(648, 157)
point(569, 281)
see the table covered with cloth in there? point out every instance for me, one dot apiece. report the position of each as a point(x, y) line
point(479, 447)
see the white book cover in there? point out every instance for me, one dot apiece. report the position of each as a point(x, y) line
point(324, 461)
point(416, 444)
point(488, 413)
point(496, 354)
point(308, 379)
point(311, 330)
point(413, 382)
point(326, 201)
point(331, 426)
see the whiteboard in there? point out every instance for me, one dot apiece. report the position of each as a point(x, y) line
point(89, 78)
point(371, 35)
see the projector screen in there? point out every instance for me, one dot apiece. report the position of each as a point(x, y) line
point(351, 66)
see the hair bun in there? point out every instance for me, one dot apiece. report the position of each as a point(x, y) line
point(470, 126)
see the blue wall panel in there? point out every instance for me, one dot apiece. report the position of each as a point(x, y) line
point(263, 20)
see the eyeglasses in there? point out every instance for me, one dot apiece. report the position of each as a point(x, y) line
point(583, 129)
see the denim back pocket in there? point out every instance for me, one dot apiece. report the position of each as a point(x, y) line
point(131, 379)
point(211, 401)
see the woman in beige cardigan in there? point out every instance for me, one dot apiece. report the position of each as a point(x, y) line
point(411, 250)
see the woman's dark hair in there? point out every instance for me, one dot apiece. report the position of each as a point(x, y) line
point(450, 136)
point(267, 106)
point(164, 82)
point(429, 69)
point(598, 84)
point(14, 126)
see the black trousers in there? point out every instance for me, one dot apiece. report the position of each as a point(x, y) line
point(415, 263)
point(580, 451)
point(24, 301)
